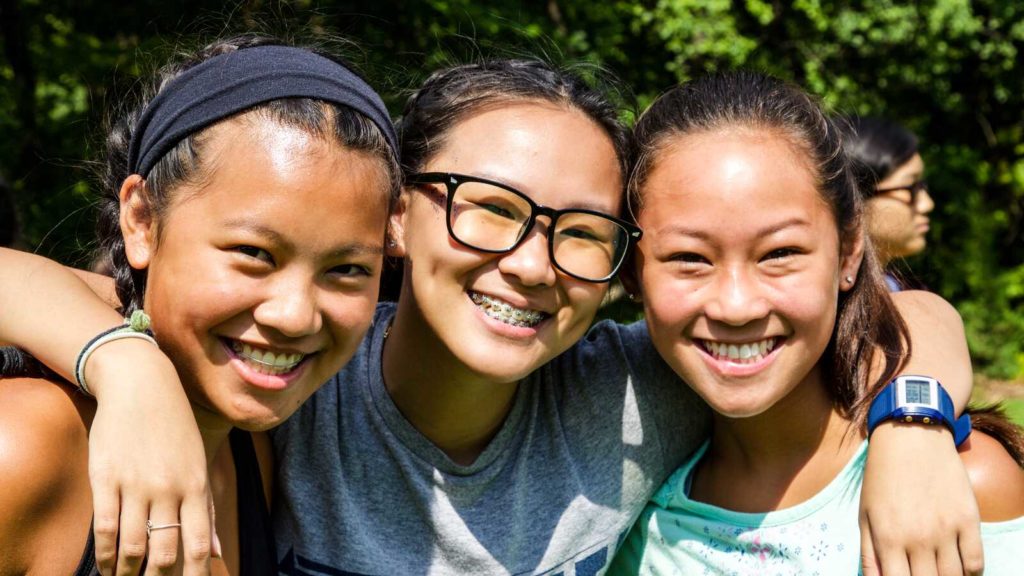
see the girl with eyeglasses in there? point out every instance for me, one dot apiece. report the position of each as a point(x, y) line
point(484, 427)
point(898, 202)
point(751, 209)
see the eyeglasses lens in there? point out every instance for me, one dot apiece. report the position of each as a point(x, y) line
point(488, 217)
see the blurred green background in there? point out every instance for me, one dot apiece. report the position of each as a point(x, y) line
point(950, 70)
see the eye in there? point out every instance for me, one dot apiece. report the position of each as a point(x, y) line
point(351, 271)
point(781, 254)
point(579, 233)
point(689, 258)
point(496, 210)
point(255, 253)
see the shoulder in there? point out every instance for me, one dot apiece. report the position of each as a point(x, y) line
point(997, 479)
point(43, 456)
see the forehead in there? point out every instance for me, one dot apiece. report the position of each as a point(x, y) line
point(262, 170)
point(905, 173)
point(728, 183)
point(555, 154)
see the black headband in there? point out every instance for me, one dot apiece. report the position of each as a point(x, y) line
point(232, 82)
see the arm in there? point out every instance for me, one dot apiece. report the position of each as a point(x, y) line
point(142, 410)
point(918, 513)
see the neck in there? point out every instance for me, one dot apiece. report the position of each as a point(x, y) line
point(213, 429)
point(458, 410)
point(779, 458)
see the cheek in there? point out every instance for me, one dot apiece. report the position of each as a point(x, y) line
point(888, 222)
point(349, 316)
point(667, 300)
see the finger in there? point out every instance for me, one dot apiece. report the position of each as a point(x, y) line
point(892, 559)
point(948, 561)
point(164, 536)
point(131, 542)
point(868, 562)
point(923, 562)
point(972, 557)
point(106, 519)
point(196, 530)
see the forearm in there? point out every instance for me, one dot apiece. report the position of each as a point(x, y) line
point(48, 311)
point(938, 342)
point(915, 467)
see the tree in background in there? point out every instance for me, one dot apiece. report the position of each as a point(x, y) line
point(948, 69)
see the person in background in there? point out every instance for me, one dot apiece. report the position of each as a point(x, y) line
point(891, 172)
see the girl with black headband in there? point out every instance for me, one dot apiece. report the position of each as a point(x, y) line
point(255, 297)
point(477, 430)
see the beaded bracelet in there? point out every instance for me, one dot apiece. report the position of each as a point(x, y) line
point(137, 326)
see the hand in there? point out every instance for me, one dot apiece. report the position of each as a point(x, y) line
point(918, 514)
point(146, 462)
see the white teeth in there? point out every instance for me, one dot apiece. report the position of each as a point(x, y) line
point(739, 353)
point(265, 361)
point(506, 312)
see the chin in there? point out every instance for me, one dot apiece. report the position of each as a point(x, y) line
point(258, 422)
point(742, 406)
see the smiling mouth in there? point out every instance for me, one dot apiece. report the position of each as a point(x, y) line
point(267, 361)
point(747, 353)
point(507, 313)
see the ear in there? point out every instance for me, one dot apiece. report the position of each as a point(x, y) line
point(628, 278)
point(396, 226)
point(850, 259)
point(138, 223)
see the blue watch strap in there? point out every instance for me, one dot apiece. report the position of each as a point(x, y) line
point(961, 428)
point(884, 407)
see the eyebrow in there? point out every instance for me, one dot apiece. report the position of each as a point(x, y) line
point(700, 234)
point(349, 249)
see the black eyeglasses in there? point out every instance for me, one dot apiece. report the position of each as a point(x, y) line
point(914, 189)
point(492, 217)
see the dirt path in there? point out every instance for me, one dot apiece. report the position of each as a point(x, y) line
point(992, 390)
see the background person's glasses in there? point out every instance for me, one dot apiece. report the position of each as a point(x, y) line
point(492, 217)
point(908, 193)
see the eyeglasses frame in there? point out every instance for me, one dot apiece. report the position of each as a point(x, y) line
point(453, 180)
point(915, 188)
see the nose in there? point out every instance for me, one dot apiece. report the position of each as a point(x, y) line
point(290, 306)
point(924, 203)
point(530, 262)
point(737, 299)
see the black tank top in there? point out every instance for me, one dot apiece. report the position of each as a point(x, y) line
point(256, 551)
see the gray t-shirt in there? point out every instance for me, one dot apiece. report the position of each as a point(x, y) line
point(591, 435)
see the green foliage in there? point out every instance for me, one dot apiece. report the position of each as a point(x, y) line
point(949, 69)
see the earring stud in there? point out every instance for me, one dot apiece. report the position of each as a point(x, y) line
point(849, 279)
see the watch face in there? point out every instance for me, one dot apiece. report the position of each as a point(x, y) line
point(919, 391)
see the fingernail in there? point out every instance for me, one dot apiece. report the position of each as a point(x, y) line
point(217, 552)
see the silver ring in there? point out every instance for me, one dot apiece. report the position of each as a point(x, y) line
point(150, 527)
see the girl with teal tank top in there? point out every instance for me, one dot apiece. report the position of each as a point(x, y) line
point(762, 293)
